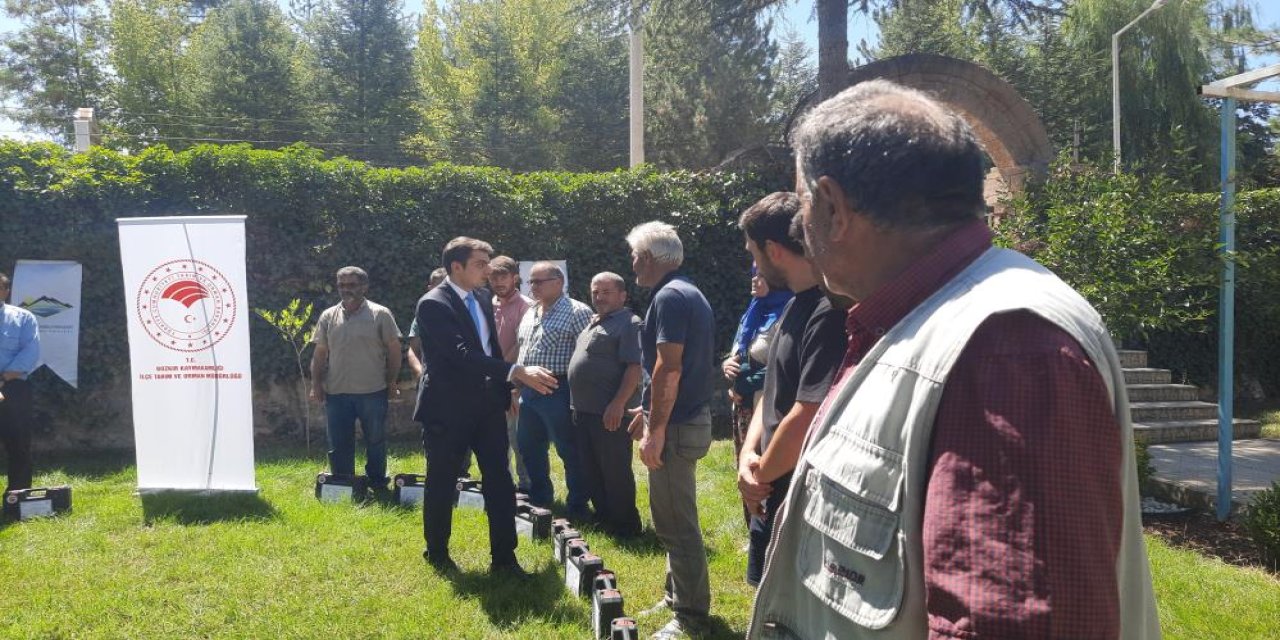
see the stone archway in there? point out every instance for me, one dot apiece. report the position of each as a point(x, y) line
point(1006, 125)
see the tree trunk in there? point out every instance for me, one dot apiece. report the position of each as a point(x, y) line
point(833, 46)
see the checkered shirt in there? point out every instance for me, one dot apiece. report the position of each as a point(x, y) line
point(547, 339)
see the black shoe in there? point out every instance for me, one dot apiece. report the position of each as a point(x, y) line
point(581, 515)
point(626, 533)
point(442, 564)
point(511, 570)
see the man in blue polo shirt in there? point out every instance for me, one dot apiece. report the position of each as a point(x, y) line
point(674, 421)
point(19, 353)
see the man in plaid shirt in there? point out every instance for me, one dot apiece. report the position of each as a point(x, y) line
point(548, 333)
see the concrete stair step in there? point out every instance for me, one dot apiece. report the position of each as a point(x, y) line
point(1171, 411)
point(1132, 359)
point(1162, 392)
point(1192, 431)
point(1142, 375)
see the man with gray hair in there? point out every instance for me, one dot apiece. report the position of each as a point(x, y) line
point(353, 374)
point(547, 334)
point(604, 376)
point(673, 423)
point(971, 473)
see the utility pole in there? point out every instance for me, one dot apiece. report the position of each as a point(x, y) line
point(637, 86)
point(1115, 80)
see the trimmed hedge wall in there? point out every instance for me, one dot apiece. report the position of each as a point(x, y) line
point(1141, 250)
point(308, 216)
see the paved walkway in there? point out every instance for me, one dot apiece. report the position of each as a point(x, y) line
point(1190, 469)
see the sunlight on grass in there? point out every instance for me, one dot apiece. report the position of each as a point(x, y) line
point(1270, 423)
point(286, 566)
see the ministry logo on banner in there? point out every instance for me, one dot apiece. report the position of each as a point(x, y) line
point(50, 289)
point(186, 305)
point(184, 284)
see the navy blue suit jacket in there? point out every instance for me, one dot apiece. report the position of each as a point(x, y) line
point(460, 384)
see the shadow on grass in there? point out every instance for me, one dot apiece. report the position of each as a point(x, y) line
point(199, 508)
point(509, 603)
point(720, 630)
point(267, 451)
point(645, 543)
point(92, 466)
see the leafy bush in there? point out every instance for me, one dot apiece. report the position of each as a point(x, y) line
point(1262, 520)
point(1145, 468)
point(1144, 254)
point(1131, 246)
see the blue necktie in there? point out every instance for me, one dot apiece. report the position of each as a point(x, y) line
point(474, 308)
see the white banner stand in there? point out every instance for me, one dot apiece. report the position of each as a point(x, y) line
point(188, 326)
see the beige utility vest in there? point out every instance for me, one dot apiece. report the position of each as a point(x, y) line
point(847, 557)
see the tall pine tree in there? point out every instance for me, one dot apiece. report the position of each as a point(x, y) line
point(245, 79)
point(55, 63)
point(363, 77)
point(708, 81)
point(519, 85)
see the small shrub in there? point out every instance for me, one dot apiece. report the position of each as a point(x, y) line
point(1145, 468)
point(1262, 520)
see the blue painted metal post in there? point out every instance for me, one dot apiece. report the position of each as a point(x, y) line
point(1227, 308)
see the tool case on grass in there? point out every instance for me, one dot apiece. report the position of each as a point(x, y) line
point(533, 522)
point(468, 495)
point(623, 629)
point(22, 504)
point(410, 488)
point(606, 606)
point(337, 487)
point(561, 540)
point(581, 571)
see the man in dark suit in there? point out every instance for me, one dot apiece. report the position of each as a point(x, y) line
point(462, 403)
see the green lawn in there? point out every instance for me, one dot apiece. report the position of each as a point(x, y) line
point(286, 566)
point(1270, 419)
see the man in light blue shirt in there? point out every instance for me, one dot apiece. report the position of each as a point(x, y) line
point(19, 353)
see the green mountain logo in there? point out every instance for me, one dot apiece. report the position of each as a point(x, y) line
point(44, 306)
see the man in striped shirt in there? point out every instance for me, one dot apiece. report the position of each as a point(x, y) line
point(547, 336)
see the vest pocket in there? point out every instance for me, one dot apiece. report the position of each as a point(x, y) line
point(850, 555)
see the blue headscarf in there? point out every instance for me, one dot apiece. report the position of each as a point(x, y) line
point(761, 313)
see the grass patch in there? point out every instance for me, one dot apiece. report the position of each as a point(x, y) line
point(283, 565)
point(1206, 598)
point(1270, 420)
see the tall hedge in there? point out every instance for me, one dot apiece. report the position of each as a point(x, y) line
point(1141, 250)
point(308, 216)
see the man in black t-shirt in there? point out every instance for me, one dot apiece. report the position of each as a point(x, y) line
point(804, 354)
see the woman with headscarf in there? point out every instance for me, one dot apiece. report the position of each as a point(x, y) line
point(744, 368)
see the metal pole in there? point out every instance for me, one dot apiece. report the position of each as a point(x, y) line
point(637, 86)
point(1115, 80)
point(1115, 98)
point(1227, 308)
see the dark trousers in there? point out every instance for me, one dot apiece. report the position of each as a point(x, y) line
point(446, 446)
point(606, 465)
point(15, 432)
point(342, 410)
point(545, 420)
point(762, 530)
